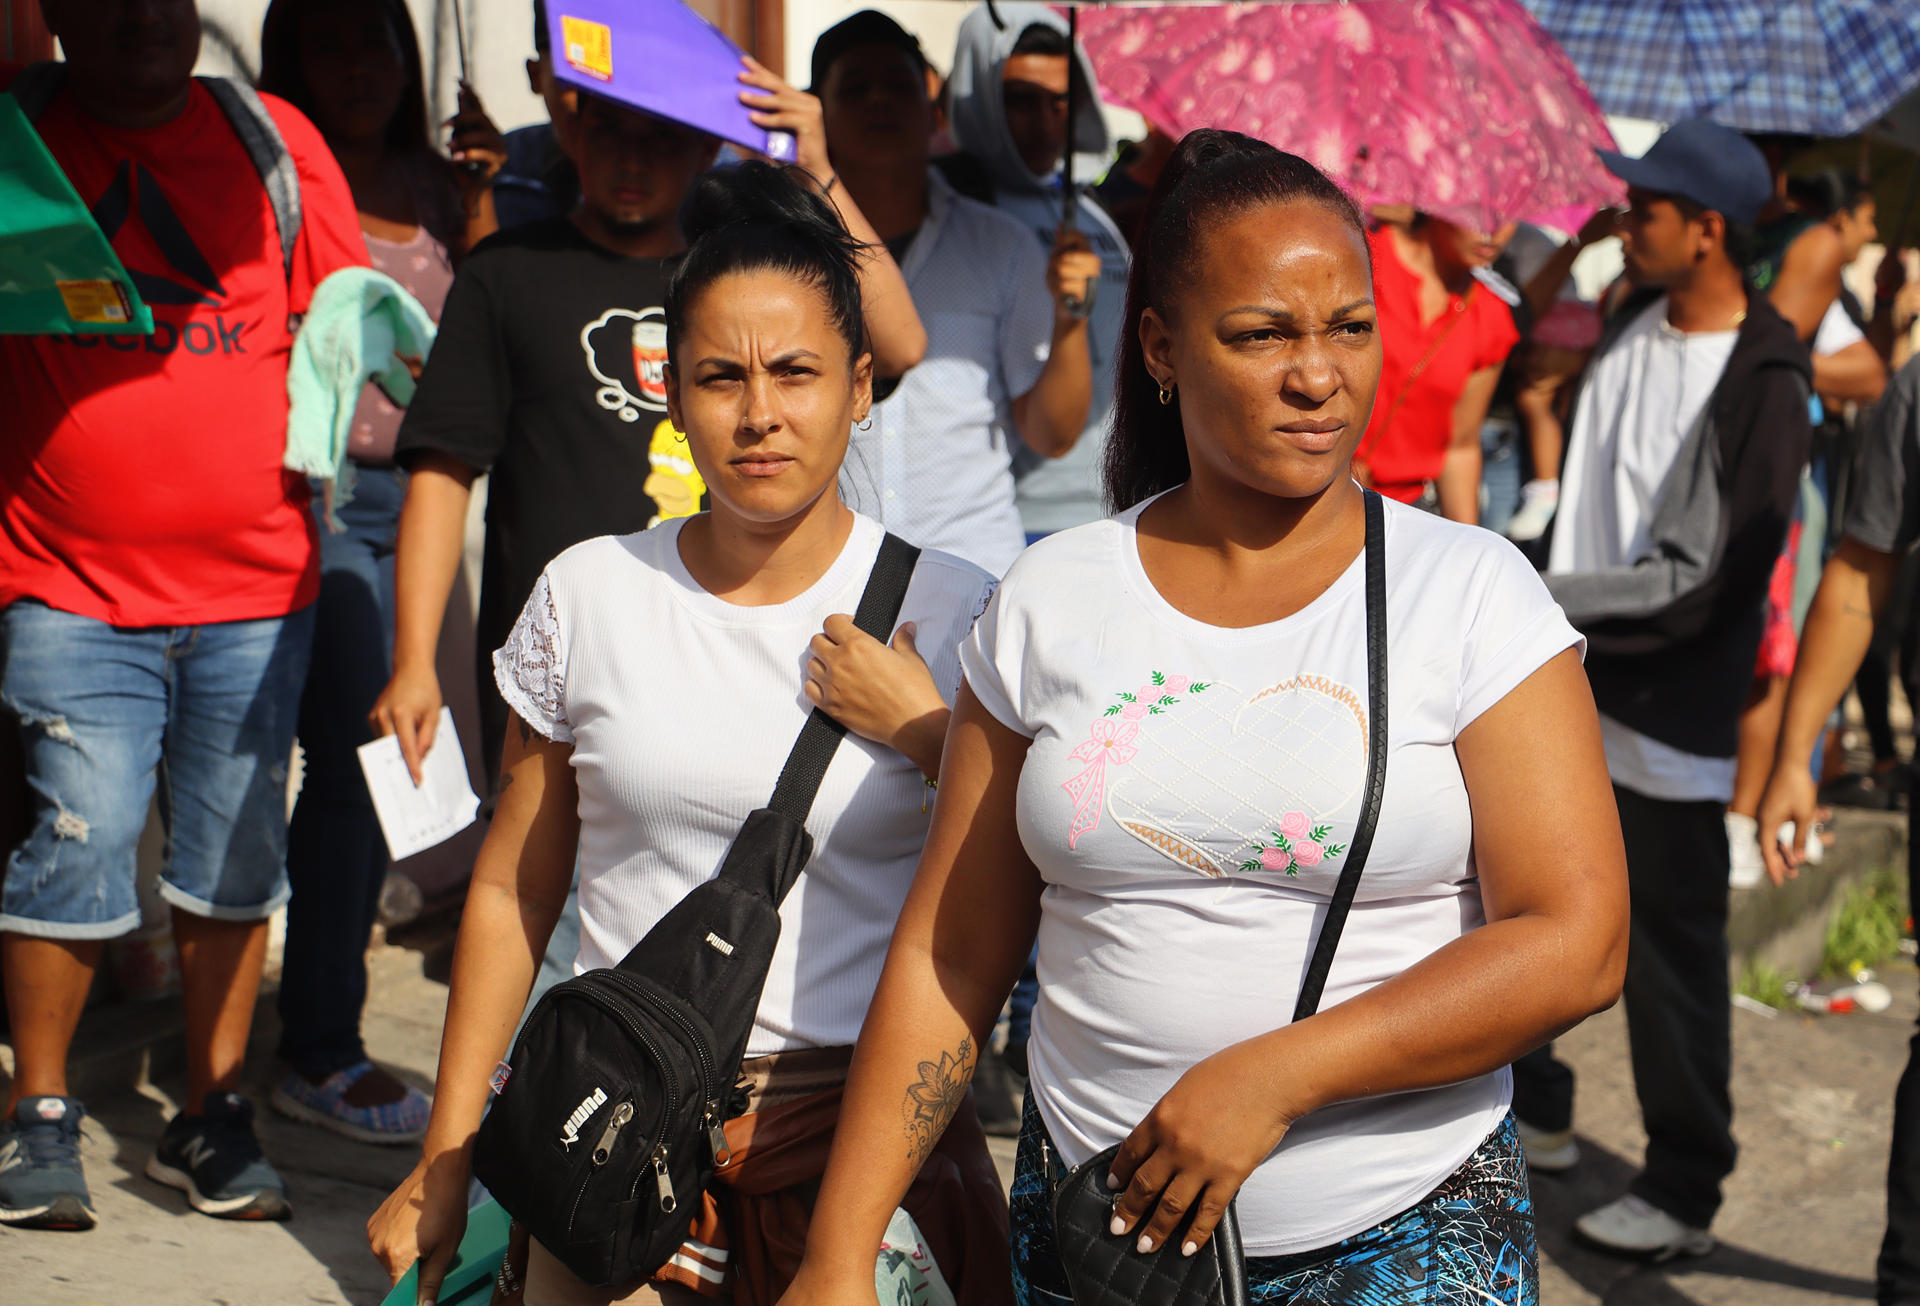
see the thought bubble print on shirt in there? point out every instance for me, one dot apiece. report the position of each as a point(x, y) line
point(627, 354)
point(1222, 780)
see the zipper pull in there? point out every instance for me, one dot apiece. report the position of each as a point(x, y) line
point(662, 1180)
point(717, 1136)
point(604, 1148)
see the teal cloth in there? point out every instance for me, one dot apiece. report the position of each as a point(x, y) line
point(358, 325)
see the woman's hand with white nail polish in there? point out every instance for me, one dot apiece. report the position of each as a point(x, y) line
point(1184, 1162)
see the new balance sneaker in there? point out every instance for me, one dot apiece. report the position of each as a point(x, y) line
point(326, 1104)
point(41, 1184)
point(214, 1160)
point(1633, 1226)
point(1549, 1151)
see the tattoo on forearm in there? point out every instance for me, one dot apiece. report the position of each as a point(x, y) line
point(526, 731)
point(931, 1102)
point(1852, 609)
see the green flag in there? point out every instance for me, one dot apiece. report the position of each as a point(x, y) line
point(58, 275)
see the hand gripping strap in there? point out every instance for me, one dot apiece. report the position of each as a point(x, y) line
point(879, 605)
point(1376, 550)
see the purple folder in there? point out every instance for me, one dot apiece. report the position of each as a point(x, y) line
point(660, 56)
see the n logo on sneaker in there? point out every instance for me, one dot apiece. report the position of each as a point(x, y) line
point(197, 1151)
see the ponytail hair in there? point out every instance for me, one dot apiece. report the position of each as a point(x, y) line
point(1212, 177)
point(754, 216)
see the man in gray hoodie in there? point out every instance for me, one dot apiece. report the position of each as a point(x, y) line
point(1009, 110)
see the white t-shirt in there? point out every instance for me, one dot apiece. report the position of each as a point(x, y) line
point(1638, 404)
point(1188, 799)
point(1836, 331)
point(681, 708)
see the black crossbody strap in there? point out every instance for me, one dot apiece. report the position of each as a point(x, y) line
point(1323, 948)
point(879, 606)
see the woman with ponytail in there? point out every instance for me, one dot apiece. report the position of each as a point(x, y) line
point(1159, 761)
point(658, 681)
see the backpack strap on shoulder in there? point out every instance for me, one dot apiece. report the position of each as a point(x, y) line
point(255, 127)
point(35, 86)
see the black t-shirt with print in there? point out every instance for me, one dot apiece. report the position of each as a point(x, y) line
point(546, 374)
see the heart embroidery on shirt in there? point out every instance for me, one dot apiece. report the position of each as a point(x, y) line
point(1221, 781)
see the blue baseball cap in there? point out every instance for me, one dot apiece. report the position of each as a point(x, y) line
point(1707, 162)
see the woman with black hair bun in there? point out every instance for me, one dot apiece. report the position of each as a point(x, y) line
point(1161, 760)
point(658, 681)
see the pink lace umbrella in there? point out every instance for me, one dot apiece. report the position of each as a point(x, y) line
point(1464, 109)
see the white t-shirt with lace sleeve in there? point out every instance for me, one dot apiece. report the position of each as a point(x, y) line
point(1189, 799)
point(681, 709)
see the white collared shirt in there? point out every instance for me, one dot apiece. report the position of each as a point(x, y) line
point(935, 466)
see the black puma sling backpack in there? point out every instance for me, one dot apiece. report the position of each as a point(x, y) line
point(610, 1116)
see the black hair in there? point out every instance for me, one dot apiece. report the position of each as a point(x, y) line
point(1213, 176)
point(1038, 38)
point(280, 73)
point(753, 216)
point(1740, 240)
point(1828, 192)
point(542, 43)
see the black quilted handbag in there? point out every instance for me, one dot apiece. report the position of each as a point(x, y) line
point(1105, 1270)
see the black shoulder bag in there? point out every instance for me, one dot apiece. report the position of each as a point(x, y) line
point(1105, 1270)
point(612, 1106)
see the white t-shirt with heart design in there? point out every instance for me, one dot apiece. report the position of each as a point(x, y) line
point(1189, 799)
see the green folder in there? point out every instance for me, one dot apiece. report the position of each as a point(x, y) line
point(58, 275)
point(469, 1280)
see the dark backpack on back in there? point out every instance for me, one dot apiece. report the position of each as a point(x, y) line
point(611, 1112)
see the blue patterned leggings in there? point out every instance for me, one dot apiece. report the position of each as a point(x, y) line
point(1469, 1242)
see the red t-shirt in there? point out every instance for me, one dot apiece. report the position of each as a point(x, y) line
point(140, 477)
point(1478, 332)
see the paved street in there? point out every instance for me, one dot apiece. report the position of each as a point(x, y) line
point(1801, 1224)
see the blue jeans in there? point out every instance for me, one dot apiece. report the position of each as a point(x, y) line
point(106, 714)
point(1501, 473)
point(336, 856)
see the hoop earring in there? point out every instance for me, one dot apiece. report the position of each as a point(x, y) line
point(1166, 394)
point(864, 426)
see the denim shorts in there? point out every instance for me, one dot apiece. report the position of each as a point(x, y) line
point(1470, 1242)
point(105, 713)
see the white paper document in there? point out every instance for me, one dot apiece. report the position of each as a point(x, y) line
point(440, 807)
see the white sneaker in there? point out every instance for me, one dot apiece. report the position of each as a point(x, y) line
point(1746, 869)
point(1816, 846)
point(1549, 1151)
point(1538, 502)
point(1633, 1226)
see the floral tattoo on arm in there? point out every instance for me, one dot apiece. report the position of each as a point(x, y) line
point(931, 1102)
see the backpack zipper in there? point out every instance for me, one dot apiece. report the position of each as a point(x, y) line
point(662, 1180)
point(697, 1042)
point(604, 1148)
point(710, 1119)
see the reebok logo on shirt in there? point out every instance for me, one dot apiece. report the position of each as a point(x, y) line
point(135, 191)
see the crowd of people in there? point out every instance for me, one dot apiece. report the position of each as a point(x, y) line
point(1251, 523)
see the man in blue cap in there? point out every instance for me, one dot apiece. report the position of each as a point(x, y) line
point(1688, 434)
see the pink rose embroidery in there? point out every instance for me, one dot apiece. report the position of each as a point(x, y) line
point(1133, 711)
point(1276, 859)
point(1306, 852)
point(1177, 684)
point(1294, 825)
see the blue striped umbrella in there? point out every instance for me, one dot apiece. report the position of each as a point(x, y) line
point(1819, 67)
